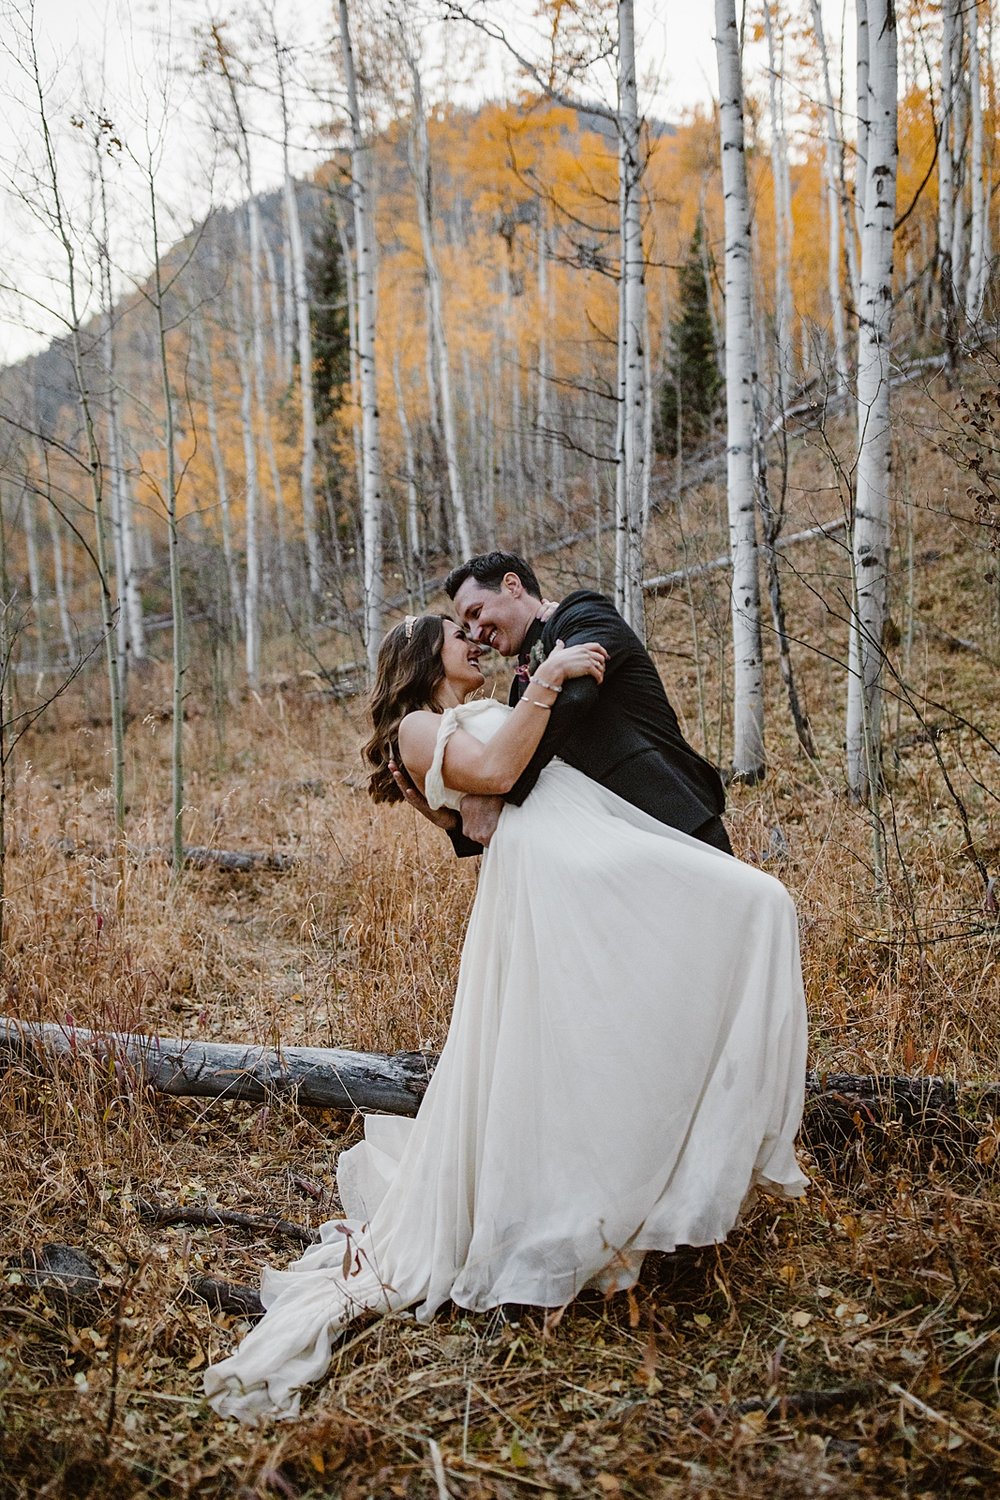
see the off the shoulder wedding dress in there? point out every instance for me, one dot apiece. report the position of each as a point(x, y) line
point(625, 1065)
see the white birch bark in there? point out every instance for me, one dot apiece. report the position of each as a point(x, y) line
point(976, 287)
point(781, 183)
point(543, 424)
point(129, 621)
point(834, 172)
point(959, 122)
point(420, 167)
point(946, 167)
point(251, 499)
point(632, 387)
point(863, 91)
point(748, 684)
point(364, 244)
point(870, 540)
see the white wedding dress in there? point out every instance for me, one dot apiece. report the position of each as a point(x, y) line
point(625, 1064)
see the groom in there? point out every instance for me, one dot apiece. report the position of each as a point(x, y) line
point(622, 733)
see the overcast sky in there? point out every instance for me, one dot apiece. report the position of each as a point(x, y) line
point(133, 59)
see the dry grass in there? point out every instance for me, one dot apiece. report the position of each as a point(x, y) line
point(884, 1278)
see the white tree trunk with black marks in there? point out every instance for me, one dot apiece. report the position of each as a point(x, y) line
point(364, 250)
point(870, 540)
point(837, 219)
point(420, 167)
point(632, 393)
point(976, 286)
point(781, 181)
point(748, 687)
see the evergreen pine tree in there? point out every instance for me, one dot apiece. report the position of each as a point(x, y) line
point(331, 355)
point(689, 398)
point(328, 310)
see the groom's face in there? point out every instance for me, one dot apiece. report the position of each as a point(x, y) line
point(497, 618)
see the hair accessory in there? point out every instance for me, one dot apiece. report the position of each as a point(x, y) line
point(408, 625)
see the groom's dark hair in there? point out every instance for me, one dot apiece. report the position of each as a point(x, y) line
point(489, 569)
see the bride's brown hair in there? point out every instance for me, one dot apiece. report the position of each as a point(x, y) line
point(408, 671)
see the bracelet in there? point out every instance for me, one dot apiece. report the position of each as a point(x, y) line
point(550, 687)
point(534, 703)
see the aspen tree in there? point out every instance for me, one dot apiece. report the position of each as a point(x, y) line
point(56, 216)
point(251, 358)
point(783, 312)
point(251, 497)
point(420, 168)
point(295, 263)
point(976, 285)
point(748, 678)
point(949, 207)
point(870, 539)
point(837, 218)
point(364, 270)
point(131, 627)
point(179, 651)
point(632, 394)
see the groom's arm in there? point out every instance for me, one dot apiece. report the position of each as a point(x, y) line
point(587, 621)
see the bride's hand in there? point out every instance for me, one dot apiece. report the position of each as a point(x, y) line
point(563, 662)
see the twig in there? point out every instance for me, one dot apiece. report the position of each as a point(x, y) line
point(795, 1403)
point(214, 1218)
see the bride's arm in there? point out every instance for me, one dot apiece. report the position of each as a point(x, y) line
point(492, 768)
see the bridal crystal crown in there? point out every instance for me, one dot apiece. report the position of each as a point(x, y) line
point(408, 625)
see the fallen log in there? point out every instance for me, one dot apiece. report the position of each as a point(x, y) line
point(325, 1077)
point(394, 1083)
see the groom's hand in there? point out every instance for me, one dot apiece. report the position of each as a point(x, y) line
point(441, 817)
point(480, 816)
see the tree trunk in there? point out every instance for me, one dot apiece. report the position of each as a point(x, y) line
point(251, 597)
point(861, 161)
point(946, 178)
point(303, 324)
point(748, 692)
point(835, 197)
point(976, 288)
point(420, 168)
point(364, 243)
point(783, 312)
point(179, 656)
point(870, 542)
point(632, 392)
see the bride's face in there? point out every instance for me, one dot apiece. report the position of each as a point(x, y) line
point(460, 659)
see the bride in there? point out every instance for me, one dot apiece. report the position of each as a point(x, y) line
point(625, 1062)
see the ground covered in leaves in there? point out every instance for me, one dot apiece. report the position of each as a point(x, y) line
point(845, 1345)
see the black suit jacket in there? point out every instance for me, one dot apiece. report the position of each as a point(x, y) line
point(622, 733)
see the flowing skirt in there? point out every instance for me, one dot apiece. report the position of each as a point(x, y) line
point(625, 1065)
